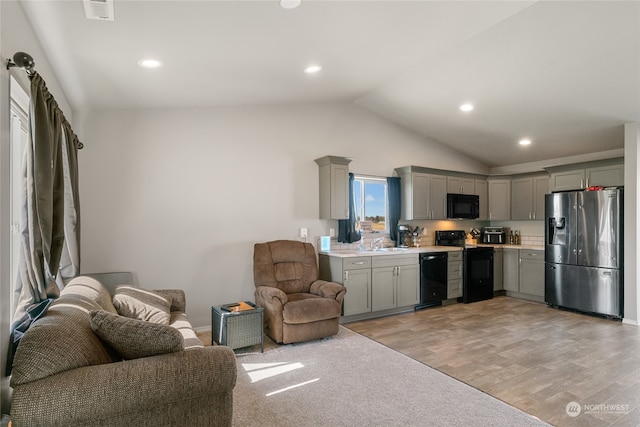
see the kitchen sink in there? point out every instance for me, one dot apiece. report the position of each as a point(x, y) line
point(390, 249)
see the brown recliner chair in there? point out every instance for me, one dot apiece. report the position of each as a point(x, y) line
point(297, 306)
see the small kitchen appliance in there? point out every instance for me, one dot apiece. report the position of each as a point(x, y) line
point(403, 233)
point(493, 235)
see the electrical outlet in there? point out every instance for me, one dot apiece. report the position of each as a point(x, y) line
point(332, 232)
point(303, 232)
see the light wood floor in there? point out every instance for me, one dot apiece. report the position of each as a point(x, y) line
point(532, 356)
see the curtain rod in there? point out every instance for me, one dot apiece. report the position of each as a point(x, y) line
point(22, 60)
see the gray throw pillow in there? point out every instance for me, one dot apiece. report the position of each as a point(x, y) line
point(133, 338)
point(143, 304)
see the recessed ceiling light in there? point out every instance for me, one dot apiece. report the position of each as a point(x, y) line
point(312, 69)
point(524, 141)
point(290, 4)
point(149, 63)
point(466, 107)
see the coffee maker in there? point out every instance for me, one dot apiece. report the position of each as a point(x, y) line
point(403, 233)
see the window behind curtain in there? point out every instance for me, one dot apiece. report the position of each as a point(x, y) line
point(370, 195)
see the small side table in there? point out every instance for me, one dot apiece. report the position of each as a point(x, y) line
point(238, 329)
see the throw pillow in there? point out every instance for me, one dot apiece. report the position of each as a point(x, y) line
point(134, 338)
point(142, 304)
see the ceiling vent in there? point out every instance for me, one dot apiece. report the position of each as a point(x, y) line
point(99, 9)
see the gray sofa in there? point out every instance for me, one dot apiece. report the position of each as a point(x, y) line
point(65, 375)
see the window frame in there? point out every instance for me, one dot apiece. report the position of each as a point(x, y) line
point(364, 179)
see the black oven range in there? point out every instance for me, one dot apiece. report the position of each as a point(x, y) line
point(478, 266)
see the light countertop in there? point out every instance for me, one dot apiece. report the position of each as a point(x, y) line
point(348, 253)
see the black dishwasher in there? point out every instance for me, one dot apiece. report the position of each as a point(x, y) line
point(433, 279)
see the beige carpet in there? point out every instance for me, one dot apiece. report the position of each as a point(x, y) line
point(350, 380)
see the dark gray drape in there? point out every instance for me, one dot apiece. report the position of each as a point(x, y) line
point(50, 233)
point(347, 232)
point(394, 202)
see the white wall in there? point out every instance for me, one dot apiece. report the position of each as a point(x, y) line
point(631, 226)
point(180, 196)
point(16, 35)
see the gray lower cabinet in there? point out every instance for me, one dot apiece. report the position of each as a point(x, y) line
point(375, 283)
point(454, 274)
point(355, 275)
point(497, 269)
point(523, 273)
point(510, 269)
point(532, 272)
point(394, 282)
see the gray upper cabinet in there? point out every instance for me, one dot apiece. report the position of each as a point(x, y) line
point(334, 187)
point(527, 197)
point(608, 173)
point(458, 185)
point(482, 190)
point(499, 199)
point(423, 195)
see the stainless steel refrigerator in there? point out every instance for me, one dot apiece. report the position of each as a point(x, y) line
point(584, 251)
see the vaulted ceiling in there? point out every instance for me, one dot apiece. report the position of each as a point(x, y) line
point(565, 74)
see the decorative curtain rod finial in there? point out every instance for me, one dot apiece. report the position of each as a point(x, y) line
point(22, 60)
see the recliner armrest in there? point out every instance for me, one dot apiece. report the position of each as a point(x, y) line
point(270, 294)
point(328, 290)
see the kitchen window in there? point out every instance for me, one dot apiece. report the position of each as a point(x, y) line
point(370, 194)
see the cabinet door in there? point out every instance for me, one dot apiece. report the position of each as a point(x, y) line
point(468, 186)
point(567, 180)
point(532, 274)
point(497, 269)
point(459, 185)
point(483, 194)
point(454, 185)
point(499, 199)
point(438, 197)
point(419, 194)
point(510, 264)
point(339, 191)
point(358, 297)
point(408, 285)
point(606, 176)
point(540, 189)
point(383, 292)
point(521, 199)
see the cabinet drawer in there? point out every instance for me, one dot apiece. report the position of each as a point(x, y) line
point(393, 260)
point(356, 263)
point(531, 254)
point(454, 288)
point(454, 270)
point(454, 256)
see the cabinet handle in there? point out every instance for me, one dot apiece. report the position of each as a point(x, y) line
point(358, 263)
point(581, 183)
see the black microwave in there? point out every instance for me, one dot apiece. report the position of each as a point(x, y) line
point(463, 206)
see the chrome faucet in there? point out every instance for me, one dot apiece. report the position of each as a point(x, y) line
point(375, 242)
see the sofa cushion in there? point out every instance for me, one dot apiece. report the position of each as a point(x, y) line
point(306, 308)
point(45, 349)
point(143, 304)
point(134, 338)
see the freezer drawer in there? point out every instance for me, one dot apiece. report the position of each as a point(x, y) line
point(588, 289)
